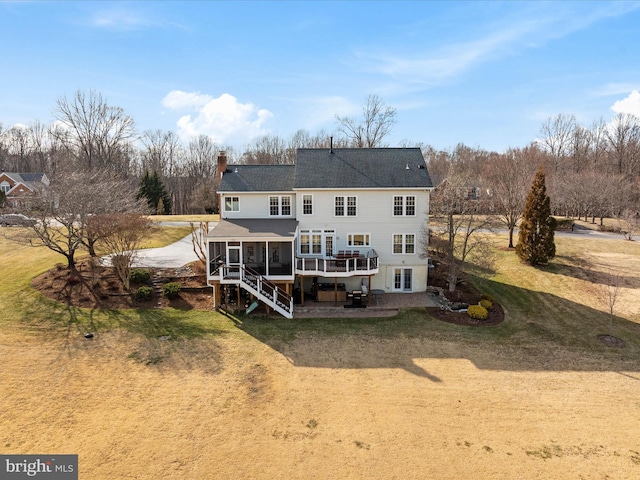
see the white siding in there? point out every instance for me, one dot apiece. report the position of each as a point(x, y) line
point(256, 205)
point(375, 217)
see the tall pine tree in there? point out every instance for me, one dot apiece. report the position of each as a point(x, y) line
point(536, 245)
point(152, 189)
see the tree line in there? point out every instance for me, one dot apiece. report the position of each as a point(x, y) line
point(591, 171)
point(88, 134)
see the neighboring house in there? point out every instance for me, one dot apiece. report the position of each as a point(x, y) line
point(339, 220)
point(19, 187)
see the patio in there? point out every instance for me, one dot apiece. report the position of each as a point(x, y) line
point(387, 305)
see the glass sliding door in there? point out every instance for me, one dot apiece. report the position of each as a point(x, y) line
point(403, 279)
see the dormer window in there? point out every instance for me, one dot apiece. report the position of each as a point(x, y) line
point(5, 187)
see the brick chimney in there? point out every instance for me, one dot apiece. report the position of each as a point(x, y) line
point(222, 164)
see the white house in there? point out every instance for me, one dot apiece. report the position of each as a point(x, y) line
point(338, 221)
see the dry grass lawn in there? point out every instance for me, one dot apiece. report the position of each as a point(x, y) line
point(405, 397)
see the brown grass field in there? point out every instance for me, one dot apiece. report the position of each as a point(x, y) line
point(407, 397)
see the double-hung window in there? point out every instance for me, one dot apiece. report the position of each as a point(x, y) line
point(280, 206)
point(305, 242)
point(231, 204)
point(404, 243)
point(404, 205)
point(307, 204)
point(311, 242)
point(346, 206)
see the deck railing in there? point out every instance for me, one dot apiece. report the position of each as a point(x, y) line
point(361, 265)
point(259, 286)
point(267, 290)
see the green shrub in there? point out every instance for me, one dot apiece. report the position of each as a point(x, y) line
point(487, 296)
point(478, 312)
point(486, 303)
point(140, 275)
point(171, 290)
point(144, 293)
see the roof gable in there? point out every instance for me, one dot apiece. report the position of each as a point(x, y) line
point(30, 180)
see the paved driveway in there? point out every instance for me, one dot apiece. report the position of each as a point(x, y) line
point(175, 255)
point(172, 256)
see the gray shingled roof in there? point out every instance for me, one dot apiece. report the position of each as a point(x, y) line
point(258, 178)
point(31, 180)
point(254, 228)
point(361, 168)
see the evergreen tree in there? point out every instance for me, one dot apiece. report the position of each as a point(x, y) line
point(152, 189)
point(536, 245)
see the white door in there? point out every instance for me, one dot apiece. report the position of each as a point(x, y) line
point(329, 242)
point(403, 279)
point(233, 260)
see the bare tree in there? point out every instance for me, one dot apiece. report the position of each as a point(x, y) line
point(161, 152)
point(557, 137)
point(268, 150)
point(3, 148)
point(598, 140)
point(303, 139)
point(204, 197)
point(629, 223)
point(370, 130)
point(122, 234)
point(439, 163)
point(508, 177)
point(609, 293)
point(96, 132)
point(118, 196)
point(199, 240)
point(458, 227)
point(623, 136)
point(64, 210)
point(581, 148)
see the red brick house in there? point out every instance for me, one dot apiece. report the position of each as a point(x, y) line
point(19, 187)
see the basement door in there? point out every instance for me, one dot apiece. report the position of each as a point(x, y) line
point(403, 279)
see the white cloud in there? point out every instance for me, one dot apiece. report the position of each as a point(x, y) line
point(630, 104)
point(120, 19)
point(532, 26)
point(126, 17)
point(224, 119)
point(611, 89)
point(177, 99)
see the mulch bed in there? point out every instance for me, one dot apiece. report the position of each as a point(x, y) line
point(97, 287)
point(496, 316)
point(465, 292)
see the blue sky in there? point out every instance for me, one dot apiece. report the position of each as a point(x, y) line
point(486, 74)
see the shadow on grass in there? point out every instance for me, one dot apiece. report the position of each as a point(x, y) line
point(541, 332)
point(168, 338)
point(580, 268)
